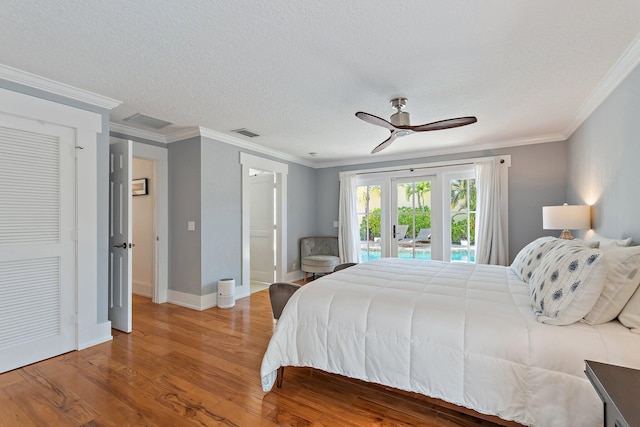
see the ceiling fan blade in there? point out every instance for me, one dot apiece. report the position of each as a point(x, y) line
point(375, 120)
point(445, 124)
point(385, 144)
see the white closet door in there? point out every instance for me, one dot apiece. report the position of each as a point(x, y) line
point(37, 241)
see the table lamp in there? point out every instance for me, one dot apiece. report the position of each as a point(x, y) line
point(565, 218)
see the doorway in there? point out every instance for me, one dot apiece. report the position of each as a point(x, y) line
point(156, 241)
point(279, 173)
point(143, 227)
point(262, 225)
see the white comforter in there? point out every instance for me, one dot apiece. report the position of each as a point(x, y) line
point(459, 332)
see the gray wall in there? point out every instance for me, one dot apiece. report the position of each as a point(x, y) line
point(102, 190)
point(536, 178)
point(302, 209)
point(184, 206)
point(205, 185)
point(221, 214)
point(603, 164)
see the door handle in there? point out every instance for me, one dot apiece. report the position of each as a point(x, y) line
point(394, 231)
point(122, 246)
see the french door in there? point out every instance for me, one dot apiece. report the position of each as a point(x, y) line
point(423, 216)
point(411, 217)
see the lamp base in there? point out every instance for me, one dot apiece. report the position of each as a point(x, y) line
point(566, 234)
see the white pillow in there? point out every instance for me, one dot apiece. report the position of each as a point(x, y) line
point(531, 256)
point(623, 278)
point(606, 241)
point(567, 283)
point(630, 315)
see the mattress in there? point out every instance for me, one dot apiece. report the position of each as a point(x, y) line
point(463, 333)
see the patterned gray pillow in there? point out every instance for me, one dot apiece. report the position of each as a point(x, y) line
point(567, 283)
point(531, 256)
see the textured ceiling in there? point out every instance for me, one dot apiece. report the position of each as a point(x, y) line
point(295, 72)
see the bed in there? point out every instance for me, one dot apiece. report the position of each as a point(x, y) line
point(462, 333)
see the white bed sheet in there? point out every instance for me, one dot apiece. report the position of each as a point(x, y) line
point(462, 333)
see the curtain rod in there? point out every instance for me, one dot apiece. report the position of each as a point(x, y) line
point(411, 169)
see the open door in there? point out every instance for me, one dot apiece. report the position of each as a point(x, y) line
point(120, 159)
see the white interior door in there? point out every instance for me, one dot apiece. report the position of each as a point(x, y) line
point(120, 277)
point(262, 228)
point(37, 241)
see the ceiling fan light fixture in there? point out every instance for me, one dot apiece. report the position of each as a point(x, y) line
point(401, 118)
point(399, 124)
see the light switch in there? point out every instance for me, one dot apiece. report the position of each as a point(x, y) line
point(335, 224)
point(191, 226)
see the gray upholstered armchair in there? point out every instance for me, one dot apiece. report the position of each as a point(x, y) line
point(318, 255)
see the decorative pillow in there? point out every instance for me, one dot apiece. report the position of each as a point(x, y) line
point(567, 283)
point(531, 256)
point(605, 241)
point(623, 278)
point(590, 243)
point(630, 315)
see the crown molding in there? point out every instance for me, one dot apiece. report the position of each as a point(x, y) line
point(22, 77)
point(466, 148)
point(138, 133)
point(183, 134)
point(238, 142)
point(618, 72)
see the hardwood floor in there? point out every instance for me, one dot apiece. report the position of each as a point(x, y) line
point(184, 367)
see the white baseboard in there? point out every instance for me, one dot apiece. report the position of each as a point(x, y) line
point(294, 276)
point(143, 289)
point(194, 302)
point(103, 333)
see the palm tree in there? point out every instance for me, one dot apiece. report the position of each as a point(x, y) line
point(459, 193)
point(420, 189)
point(364, 193)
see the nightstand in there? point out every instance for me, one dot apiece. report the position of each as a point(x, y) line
point(618, 389)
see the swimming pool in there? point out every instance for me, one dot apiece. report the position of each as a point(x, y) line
point(457, 255)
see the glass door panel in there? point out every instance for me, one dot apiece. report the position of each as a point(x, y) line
point(463, 216)
point(369, 212)
point(412, 218)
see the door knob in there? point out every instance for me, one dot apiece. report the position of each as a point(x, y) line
point(122, 246)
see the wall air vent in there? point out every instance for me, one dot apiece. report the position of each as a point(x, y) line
point(147, 121)
point(245, 132)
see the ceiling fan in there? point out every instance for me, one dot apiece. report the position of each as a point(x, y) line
point(399, 124)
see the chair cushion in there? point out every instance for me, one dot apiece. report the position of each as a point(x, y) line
point(321, 261)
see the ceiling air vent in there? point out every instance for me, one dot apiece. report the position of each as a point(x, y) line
point(147, 121)
point(245, 132)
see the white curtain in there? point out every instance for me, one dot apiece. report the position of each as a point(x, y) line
point(348, 232)
point(492, 242)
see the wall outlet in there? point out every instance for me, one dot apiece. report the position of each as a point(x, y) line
point(191, 226)
point(295, 265)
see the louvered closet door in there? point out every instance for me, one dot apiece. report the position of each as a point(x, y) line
point(37, 241)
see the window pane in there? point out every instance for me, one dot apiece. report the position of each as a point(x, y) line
point(368, 209)
point(463, 205)
point(414, 216)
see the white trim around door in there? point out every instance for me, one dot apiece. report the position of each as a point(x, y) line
point(281, 171)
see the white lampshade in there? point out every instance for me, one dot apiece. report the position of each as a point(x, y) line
point(566, 217)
